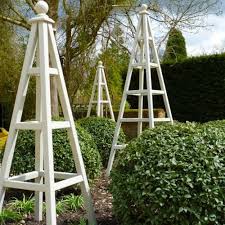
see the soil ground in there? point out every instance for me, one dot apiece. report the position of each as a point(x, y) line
point(103, 208)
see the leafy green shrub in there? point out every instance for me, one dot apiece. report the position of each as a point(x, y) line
point(63, 154)
point(83, 221)
point(23, 160)
point(102, 131)
point(217, 124)
point(8, 216)
point(172, 175)
point(23, 207)
point(73, 202)
point(60, 207)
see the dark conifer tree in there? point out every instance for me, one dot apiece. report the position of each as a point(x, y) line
point(175, 47)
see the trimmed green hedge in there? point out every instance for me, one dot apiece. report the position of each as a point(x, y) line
point(23, 160)
point(102, 131)
point(172, 175)
point(196, 88)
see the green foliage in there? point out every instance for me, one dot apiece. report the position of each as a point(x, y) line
point(73, 202)
point(63, 154)
point(172, 175)
point(23, 207)
point(17, 209)
point(25, 146)
point(83, 221)
point(60, 207)
point(63, 159)
point(218, 123)
point(176, 47)
point(69, 203)
point(11, 60)
point(195, 86)
point(115, 60)
point(102, 131)
point(10, 72)
point(7, 216)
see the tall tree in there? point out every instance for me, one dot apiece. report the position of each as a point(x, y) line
point(78, 23)
point(9, 58)
point(175, 47)
point(115, 60)
point(10, 63)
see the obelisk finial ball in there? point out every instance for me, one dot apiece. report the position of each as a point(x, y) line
point(41, 7)
point(100, 63)
point(144, 7)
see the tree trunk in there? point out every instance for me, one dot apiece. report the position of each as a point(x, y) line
point(53, 14)
point(67, 64)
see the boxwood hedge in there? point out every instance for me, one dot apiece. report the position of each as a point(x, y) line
point(23, 160)
point(172, 175)
point(102, 131)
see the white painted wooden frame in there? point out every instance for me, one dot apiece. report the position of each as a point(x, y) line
point(143, 48)
point(42, 41)
point(99, 86)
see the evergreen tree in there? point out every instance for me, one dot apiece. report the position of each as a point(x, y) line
point(175, 47)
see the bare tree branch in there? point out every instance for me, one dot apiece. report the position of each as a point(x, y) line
point(31, 4)
point(15, 22)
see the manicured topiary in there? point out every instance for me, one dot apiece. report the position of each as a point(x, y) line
point(172, 175)
point(23, 160)
point(102, 131)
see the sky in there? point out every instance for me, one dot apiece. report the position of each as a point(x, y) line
point(208, 40)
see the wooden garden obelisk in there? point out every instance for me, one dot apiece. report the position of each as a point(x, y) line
point(99, 86)
point(144, 57)
point(40, 54)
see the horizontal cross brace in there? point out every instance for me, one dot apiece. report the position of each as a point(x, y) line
point(64, 175)
point(162, 119)
point(36, 125)
point(36, 174)
point(101, 102)
point(60, 125)
point(130, 120)
point(36, 71)
point(32, 125)
point(119, 146)
point(68, 182)
point(25, 176)
point(143, 65)
point(101, 83)
point(24, 185)
point(142, 39)
point(144, 92)
point(19, 182)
